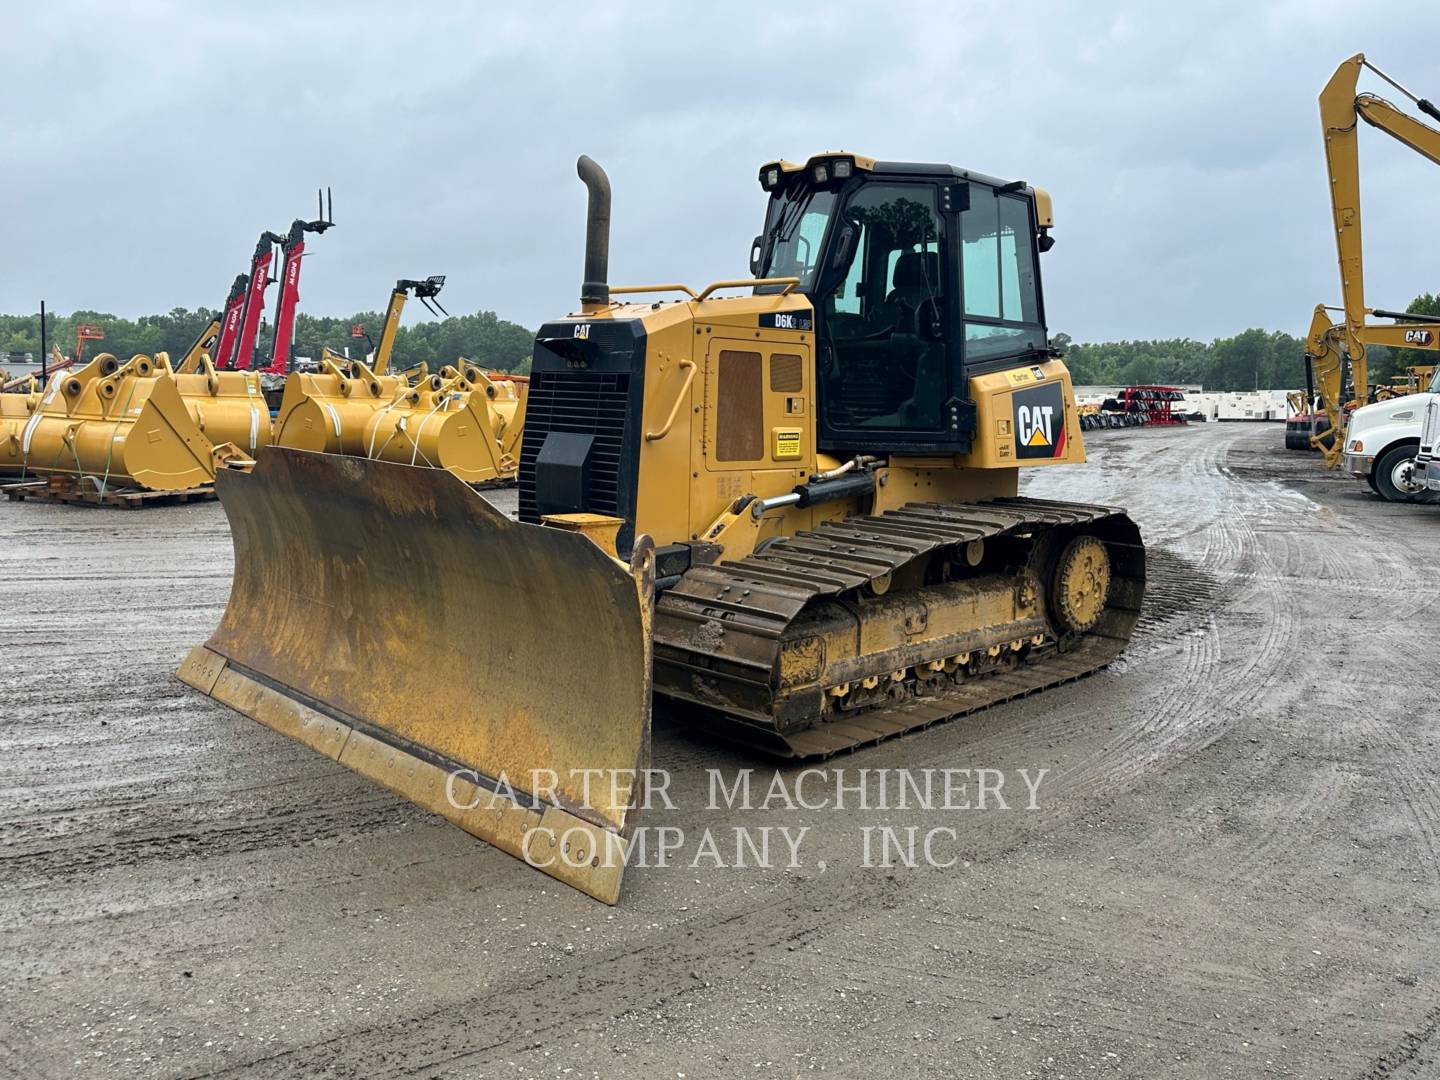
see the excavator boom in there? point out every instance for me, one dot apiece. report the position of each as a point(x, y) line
point(1336, 351)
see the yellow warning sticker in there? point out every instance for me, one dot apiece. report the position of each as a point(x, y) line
point(787, 443)
point(1019, 377)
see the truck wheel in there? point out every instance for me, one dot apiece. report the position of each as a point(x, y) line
point(1370, 479)
point(1394, 476)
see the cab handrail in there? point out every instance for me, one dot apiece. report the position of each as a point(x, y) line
point(790, 283)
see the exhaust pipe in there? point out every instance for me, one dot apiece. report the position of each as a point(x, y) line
point(595, 289)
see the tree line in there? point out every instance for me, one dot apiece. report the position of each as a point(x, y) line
point(482, 337)
point(1250, 360)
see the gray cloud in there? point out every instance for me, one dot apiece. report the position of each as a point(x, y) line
point(143, 149)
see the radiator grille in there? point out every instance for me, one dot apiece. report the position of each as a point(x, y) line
point(585, 403)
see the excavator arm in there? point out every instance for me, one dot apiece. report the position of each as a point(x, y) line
point(1330, 345)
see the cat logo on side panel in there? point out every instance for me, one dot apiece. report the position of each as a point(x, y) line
point(1040, 421)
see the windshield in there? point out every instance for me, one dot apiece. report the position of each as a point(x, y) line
point(1435, 382)
point(794, 231)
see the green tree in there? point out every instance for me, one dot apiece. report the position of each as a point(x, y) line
point(483, 337)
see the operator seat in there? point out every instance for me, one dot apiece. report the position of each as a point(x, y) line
point(917, 280)
point(914, 307)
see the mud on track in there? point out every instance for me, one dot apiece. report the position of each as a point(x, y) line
point(1234, 869)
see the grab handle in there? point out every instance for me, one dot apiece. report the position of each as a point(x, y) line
point(687, 366)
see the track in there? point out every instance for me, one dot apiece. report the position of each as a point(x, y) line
point(1233, 869)
point(719, 630)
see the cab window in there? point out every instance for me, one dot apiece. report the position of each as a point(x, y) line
point(997, 266)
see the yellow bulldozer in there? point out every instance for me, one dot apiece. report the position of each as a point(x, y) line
point(790, 515)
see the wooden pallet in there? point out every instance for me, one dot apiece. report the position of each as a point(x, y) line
point(64, 489)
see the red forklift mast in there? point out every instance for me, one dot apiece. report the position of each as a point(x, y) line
point(230, 318)
point(254, 305)
point(293, 250)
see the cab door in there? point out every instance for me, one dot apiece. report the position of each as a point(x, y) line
point(888, 364)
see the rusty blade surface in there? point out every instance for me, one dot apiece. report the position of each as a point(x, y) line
point(400, 601)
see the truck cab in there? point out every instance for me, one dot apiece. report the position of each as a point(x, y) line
point(1392, 444)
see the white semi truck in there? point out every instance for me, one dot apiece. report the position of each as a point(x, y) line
point(1393, 444)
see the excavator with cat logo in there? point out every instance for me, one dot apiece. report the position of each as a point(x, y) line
point(784, 509)
point(1359, 428)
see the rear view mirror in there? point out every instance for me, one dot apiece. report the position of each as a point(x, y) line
point(757, 249)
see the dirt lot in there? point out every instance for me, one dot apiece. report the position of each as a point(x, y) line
point(1232, 870)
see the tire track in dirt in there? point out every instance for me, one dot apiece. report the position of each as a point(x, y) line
point(523, 1016)
point(1189, 717)
point(1395, 1062)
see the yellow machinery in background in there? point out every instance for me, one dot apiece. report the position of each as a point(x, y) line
point(85, 423)
point(461, 419)
point(1417, 377)
point(201, 349)
point(113, 424)
point(378, 362)
point(792, 515)
point(227, 406)
point(1335, 349)
point(327, 411)
point(16, 408)
point(427, 292)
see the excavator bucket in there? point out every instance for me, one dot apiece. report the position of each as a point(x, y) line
point(493, 672)
point(16, 408)
point(113, 424)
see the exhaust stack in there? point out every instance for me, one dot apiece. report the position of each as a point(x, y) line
point(595, 289)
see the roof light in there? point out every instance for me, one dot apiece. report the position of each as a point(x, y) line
point(822, 173)
point(843, 169)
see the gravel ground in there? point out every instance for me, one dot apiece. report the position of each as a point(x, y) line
point(1231, 869)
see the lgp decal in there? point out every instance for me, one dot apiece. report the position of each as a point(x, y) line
point(1040, 422)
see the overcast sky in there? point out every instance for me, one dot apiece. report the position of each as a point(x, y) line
point(143, 146)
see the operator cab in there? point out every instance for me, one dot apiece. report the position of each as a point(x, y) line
point(921, 276)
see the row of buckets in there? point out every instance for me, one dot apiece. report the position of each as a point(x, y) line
point(141, 425)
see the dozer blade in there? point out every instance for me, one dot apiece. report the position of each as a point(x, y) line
point(493, 672)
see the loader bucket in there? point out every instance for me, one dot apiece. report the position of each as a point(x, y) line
point(493, 672)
